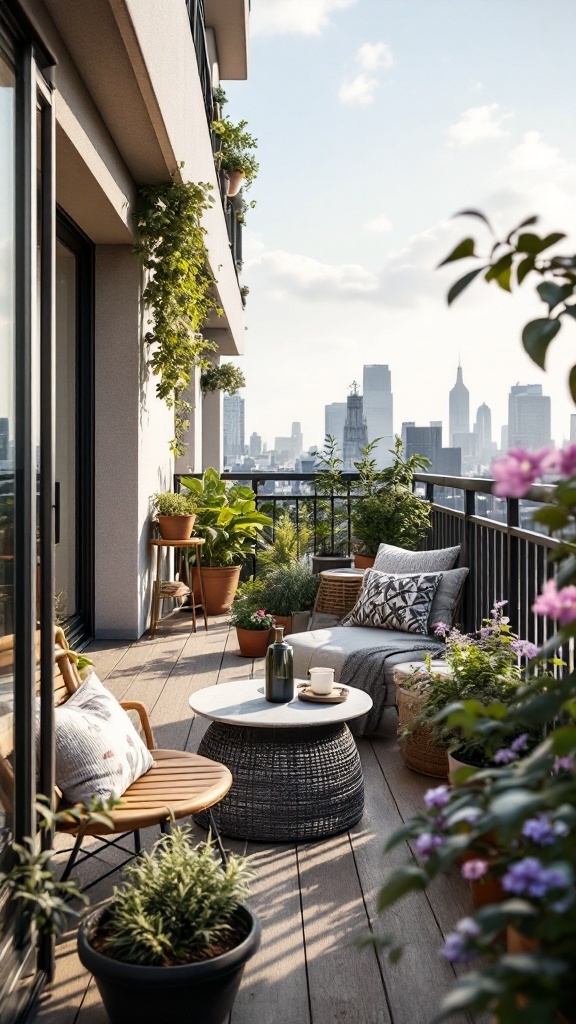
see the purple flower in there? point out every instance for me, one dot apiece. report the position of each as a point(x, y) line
point(563, 764)
point(459, 945)
point(497, 606)
point(516, 472)
point(472, 870)
point(543, 830)
point(427, 843)
point(558, 604)
point(437, 797)
point(505, 756)
point(520, 743)
point(440, 629)
point(529, 877)
point(524, 649)
point(487, 631)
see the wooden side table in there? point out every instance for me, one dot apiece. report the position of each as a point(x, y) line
point(176, 588)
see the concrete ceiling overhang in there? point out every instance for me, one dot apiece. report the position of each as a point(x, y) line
point(229, 19)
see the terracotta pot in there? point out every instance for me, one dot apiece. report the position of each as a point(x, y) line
point(364, 561)
point(235, 179)
point(175, 527)
point(283, 620)
point(485, 890)
point(220, 585)
point(518, 943)
point(253, 643)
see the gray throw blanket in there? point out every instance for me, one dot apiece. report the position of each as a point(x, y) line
point(365, 669)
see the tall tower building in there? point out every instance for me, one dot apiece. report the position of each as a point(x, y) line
point(378, 409)
point(529, 417)
point(483, 430)
point(355, 431)
point(459, 419)
point(255, 445)
point(334, 420)
point(233, 428)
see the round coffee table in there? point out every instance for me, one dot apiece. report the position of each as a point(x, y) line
point(296, 768)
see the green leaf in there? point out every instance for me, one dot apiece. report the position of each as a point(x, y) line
point(570, 311)
point(531, 243)
point(461, 252)
point(552, 516)
point(536, 337)
point(525, 223)
point(501, 271)
point(524, 268)
point(475, 213)
point(463, 283)
point(410, 878)
point(553, 294)
point(572, 382)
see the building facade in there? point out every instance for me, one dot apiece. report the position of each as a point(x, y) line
point(96, 100)
point(334, 420)
point(233, 428)
point(355, 430)
point(529, 417)
point(378, 410)
point(459, 408)
point(427, 441)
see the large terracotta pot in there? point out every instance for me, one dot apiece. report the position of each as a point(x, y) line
point(364, 561)
point(253, 643)
point(175, 527)
point(220, 586)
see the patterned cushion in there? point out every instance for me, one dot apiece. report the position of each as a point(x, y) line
point(399, 560)
point(394, 602)
point(98, 751)
point(447, 597)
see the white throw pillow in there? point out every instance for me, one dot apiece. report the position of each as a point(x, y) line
point(394, 602)
point(98, 751)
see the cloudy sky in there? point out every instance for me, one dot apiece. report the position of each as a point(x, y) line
point(378, 120)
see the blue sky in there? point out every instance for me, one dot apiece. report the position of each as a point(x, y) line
point(377, 120)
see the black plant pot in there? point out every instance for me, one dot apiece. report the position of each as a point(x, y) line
point(198, 993)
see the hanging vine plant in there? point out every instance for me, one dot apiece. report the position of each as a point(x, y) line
point(179, 289)
point(227, 378)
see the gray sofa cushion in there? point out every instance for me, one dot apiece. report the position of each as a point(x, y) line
point(330, 647)
point(399, 560)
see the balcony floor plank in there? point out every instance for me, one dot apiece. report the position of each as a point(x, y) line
point(313, 900)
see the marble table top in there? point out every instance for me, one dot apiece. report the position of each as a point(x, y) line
point(242, 702)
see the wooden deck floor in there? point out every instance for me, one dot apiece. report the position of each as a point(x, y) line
point(314, 900)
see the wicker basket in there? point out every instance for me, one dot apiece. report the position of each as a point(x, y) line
point(337, 593)
point(419, 749)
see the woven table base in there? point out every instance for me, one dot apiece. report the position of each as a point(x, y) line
point(289, 784)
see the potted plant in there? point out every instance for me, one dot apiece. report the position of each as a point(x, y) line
point(174, 939)
point(235, 153)
point(285, 543)
point(253, 627)
point(226, 377)
point(175, 515)
point(229, 522)
point(287, 590)
point(331, 519)
point(389, 512)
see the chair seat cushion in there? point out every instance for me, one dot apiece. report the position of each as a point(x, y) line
point(98, 751)
point(330, 647)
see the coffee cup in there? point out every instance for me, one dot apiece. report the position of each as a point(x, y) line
point(321, 680)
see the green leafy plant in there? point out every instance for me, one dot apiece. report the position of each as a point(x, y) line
point(179, 289)
point(289, 588)
point(235, 149)
point(331, 526)
point(176, 905)
point(244, 616)
point(390, 513)
point(168, 503)
point(366, 467)
point(289, 542)
point(227, 378)
point(226, 517)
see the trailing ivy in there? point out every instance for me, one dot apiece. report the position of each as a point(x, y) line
point(227, 378)
point(179, 288)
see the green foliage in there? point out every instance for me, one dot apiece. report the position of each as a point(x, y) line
point(288, 543)
point(289, 588)
point(328, 468)
point(514, 259)
point(179, 287)
point(168, 503)
point(226, 517)
point(235, 149)
point(176, 903)
point(245, 616)
point(227, 378)
point(401, 473)
point(331, 531)
point(390, 517)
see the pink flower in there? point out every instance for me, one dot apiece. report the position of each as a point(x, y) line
point(472, 870)
point(568, 460)
point(516, 472)
point(558, 604)
point(261, 612)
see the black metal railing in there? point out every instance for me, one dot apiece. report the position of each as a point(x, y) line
point(195, 10)
point(507, 558)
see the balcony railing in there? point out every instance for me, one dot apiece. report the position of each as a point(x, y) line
point(508, 560)
point(195, 10)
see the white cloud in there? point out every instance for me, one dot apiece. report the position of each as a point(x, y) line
point(358, 91)
point(303, 17)
point(478, 124)
point(378, 225)
point(375, 55)
point(535, 178)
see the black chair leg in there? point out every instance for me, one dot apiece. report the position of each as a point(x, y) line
point(137, 842)
point(73, 855)
point(218, 839)
point(166, 827)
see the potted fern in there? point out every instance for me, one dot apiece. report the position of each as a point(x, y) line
point(173, 941)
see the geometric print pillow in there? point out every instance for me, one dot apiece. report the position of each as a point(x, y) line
point(394, 602)
point(98, 751)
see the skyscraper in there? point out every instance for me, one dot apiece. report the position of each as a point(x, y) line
point(378, 408)
point(233, 428)
point(255, 444)
point(428, 441)
point(483, 430)
point(355, 432)
point(529, 417)
point(459, 419)
point(334, 420)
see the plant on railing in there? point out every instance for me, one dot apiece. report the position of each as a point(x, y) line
point(226, 377)
point(235, 149)
point(179, 288)
point(390, 513)
point(330, 528)
point(518, 821)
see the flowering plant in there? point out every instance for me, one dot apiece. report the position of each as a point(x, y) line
point(245, 616)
